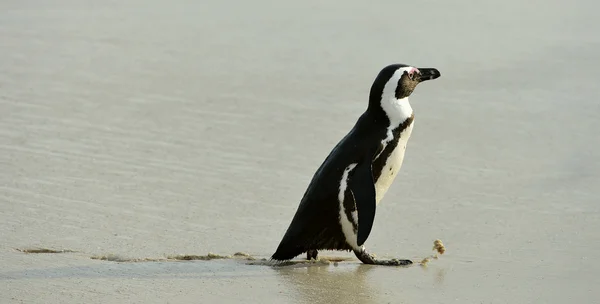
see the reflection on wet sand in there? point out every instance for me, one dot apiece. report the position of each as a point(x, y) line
point(345, 283)
point(349, 281)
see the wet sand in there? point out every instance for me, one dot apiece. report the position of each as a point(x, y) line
point(146, 130)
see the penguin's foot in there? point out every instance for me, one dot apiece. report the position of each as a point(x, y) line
point(367, 258)
point(312, 254)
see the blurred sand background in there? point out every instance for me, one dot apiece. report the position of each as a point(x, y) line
point(144, 129)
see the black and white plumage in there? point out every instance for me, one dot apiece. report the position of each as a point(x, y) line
point(338, 208)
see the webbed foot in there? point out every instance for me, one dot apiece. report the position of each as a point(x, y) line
point(367, 258)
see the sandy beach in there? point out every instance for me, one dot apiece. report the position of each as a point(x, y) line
point(132, 132)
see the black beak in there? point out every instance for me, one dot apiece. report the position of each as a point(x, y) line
point(428, 74)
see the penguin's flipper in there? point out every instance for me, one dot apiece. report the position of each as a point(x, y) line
point(363, 188)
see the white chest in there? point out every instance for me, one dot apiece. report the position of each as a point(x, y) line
point(392, 164)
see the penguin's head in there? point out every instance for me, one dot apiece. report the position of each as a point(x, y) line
point(398, 81)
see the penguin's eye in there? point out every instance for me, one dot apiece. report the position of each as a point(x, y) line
point(411, 75)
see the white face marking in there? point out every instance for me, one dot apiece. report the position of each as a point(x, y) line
point(397, 111)
point(347, 227)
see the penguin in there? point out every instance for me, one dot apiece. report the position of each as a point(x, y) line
point(337, 209)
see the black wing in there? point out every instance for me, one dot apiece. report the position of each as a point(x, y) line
point(363, 188)
point(316, 222)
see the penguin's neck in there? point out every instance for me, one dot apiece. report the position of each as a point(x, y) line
point(396, 110)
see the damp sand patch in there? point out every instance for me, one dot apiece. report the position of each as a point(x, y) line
point(239, 256)
point(212, 256)
point(123, 259)
point(174, 258)
point(438, 246)
point(44, 250)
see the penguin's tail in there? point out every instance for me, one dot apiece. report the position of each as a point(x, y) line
point(287, 251)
